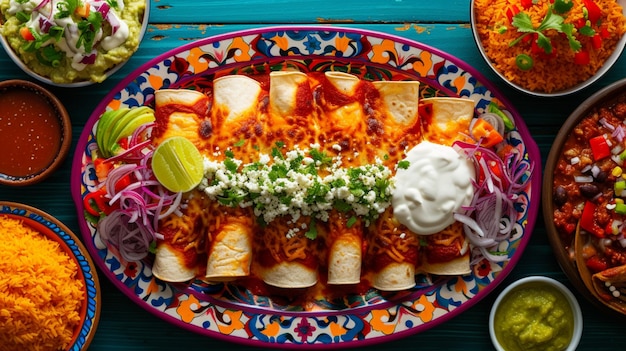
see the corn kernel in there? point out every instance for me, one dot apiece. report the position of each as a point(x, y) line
point(617, 171)
point(619, 201)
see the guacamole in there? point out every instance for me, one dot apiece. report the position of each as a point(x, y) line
point(72, 40)
point(534, 317)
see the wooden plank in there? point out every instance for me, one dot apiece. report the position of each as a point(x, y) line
point(306, 11)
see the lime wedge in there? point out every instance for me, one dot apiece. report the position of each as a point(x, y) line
point(177, 164)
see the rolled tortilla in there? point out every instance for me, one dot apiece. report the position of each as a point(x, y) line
point(291, 110)
point(610, 287)
point(288, 91)
point(182, 249)
point(392, 254)
point(449, 119)
point(446, 252)
point(235, 97)
point(400, 99)
point(180, 112)
point(345, 249)
point(342, 104)
point(237, 114)
point(230, 247)
point(397, 119)
point(287, 258)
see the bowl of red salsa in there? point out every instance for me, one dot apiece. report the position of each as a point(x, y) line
point(35, 133)
point(584, 198)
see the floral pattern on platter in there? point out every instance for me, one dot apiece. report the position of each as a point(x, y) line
point(89, 274)
point(225, 311)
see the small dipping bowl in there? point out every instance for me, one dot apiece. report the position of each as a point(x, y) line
point(535, 311)
point(35, 133)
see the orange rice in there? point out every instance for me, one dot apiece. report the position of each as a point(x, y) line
point(547, 74)
point(40, 295)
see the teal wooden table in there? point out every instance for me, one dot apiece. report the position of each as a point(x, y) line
point(443, 24)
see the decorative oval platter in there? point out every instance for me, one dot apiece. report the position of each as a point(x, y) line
point(235, 314)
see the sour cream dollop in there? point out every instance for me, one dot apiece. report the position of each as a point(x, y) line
point(437, 182)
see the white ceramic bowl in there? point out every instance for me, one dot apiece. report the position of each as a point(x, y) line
point(18, 61)
point(601, 72)
point(539, 281)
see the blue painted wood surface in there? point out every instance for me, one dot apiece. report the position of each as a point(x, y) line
point(441, 24)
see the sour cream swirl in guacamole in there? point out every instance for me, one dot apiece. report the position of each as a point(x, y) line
point(72, 40)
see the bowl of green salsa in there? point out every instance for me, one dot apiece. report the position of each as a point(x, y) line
point(536, 313)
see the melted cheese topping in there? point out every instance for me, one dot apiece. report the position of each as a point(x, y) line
point(359, 122)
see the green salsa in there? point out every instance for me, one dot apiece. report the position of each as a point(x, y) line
point(534, 317)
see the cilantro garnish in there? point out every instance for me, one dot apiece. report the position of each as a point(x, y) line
point(351, 221)
point(321, 157)
point(553, 21)
point(404, 164)
point(311, 234)
point(88, 29)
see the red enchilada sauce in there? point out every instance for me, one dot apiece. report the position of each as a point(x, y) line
point(30, 132)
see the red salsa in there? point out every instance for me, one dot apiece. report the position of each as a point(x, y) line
point(30, 132)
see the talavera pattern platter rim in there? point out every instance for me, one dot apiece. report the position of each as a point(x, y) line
point(240, 317)
point(73, 246)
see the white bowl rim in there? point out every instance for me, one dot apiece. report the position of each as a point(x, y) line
point(573, 302)
point(608, 64)
point(18, 61)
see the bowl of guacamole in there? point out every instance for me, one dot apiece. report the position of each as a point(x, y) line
point(72, 43)
point(536, 313)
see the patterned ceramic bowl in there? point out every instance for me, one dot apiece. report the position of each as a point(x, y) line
point(53, 230)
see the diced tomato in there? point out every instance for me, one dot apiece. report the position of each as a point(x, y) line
point(102, 167)
point(494, 169)
point(596, 264)
point(538, 50)
point(123, 143)
point(526, 4)
point(582, 58)
point(26, 34)
point(599, 147)
point(604, 32)
point(122, 183)
point(82, 11)
point(511, 12)
point(596, 41)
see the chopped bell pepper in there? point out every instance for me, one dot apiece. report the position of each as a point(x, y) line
point(588, 222)
point(599, 147)
point(484, 132)
point(96, 203)
point(594, 14)
point(26, 34)
point(620, 208)
point(596, 264)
